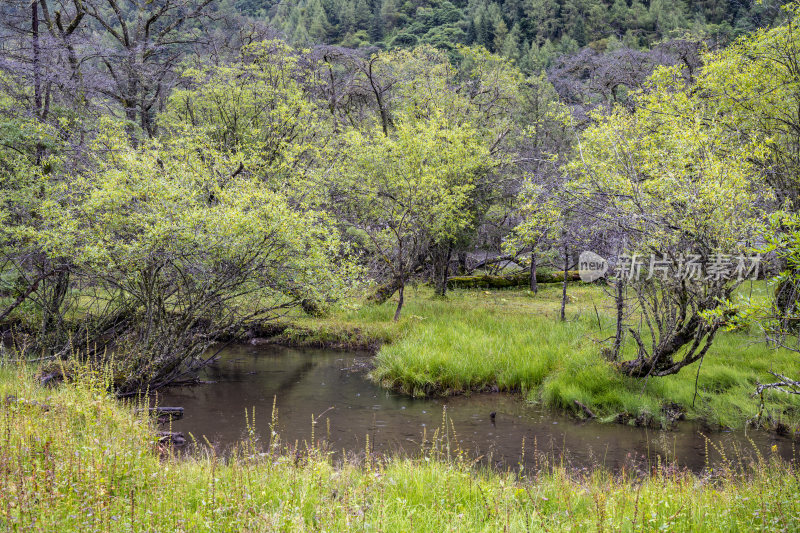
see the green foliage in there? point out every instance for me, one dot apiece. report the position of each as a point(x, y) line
point(678, 182)
point(257, 109)
point(166, 236)
point(753, 87)
point(411, 188)
point(735, 125)
point(267, 173)
point(167, 201)
point(673, 170)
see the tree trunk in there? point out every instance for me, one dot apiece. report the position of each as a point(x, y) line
point(53, 300)
point(399, 303)
point(564, 285)
point(131, 98)
point(462, 263)
point(37, 67)
point(378, 98)
point(312, 307)
point(144, 118)
point(441, 268)
point(37, 74)
point(52, 296)
point(534, 282)
point(620, 301)
point(385, 291)
point(662, 361)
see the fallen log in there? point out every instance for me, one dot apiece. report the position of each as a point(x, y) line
point(511, 258)
point(588, 412)
point(51, 378)
point(518, 279)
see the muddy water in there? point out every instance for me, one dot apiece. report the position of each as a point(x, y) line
point(328, 386)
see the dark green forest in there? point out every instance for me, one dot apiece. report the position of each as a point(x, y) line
point(531, 32)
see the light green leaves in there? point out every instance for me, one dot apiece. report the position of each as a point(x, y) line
point(257, 108)
point(671, 171)
point(413, 187)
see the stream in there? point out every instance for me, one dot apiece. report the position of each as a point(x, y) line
point(329, 386)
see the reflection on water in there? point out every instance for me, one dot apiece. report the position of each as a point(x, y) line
point(308, 383)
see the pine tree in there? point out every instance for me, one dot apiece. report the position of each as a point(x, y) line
point(526, 61)
point(640, 16)
point(281, 17)
point(347, 15)
point(482, 31)
point(630, 40)
point(496, 26)
point(511, 46)
point(376, 28)
point(667, 17)
point(578, 31)
point(620, 15)
point(300, 34)
point(319, 26)
point(389, 15)
point(363, 15)
point(500, 33)
point(472, 35)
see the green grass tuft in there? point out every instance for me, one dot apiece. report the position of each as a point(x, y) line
point(512, 340)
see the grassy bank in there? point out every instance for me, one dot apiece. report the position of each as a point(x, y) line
point(478, 340)
point(73, 459)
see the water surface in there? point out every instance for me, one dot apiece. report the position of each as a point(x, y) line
point(330, 386)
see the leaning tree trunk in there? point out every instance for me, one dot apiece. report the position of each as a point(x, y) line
point(384, 291)
point(399, 303)
point(24, 295)
point(661, 361)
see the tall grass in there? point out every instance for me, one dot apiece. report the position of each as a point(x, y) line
point(511, 340)
point(73, 459)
